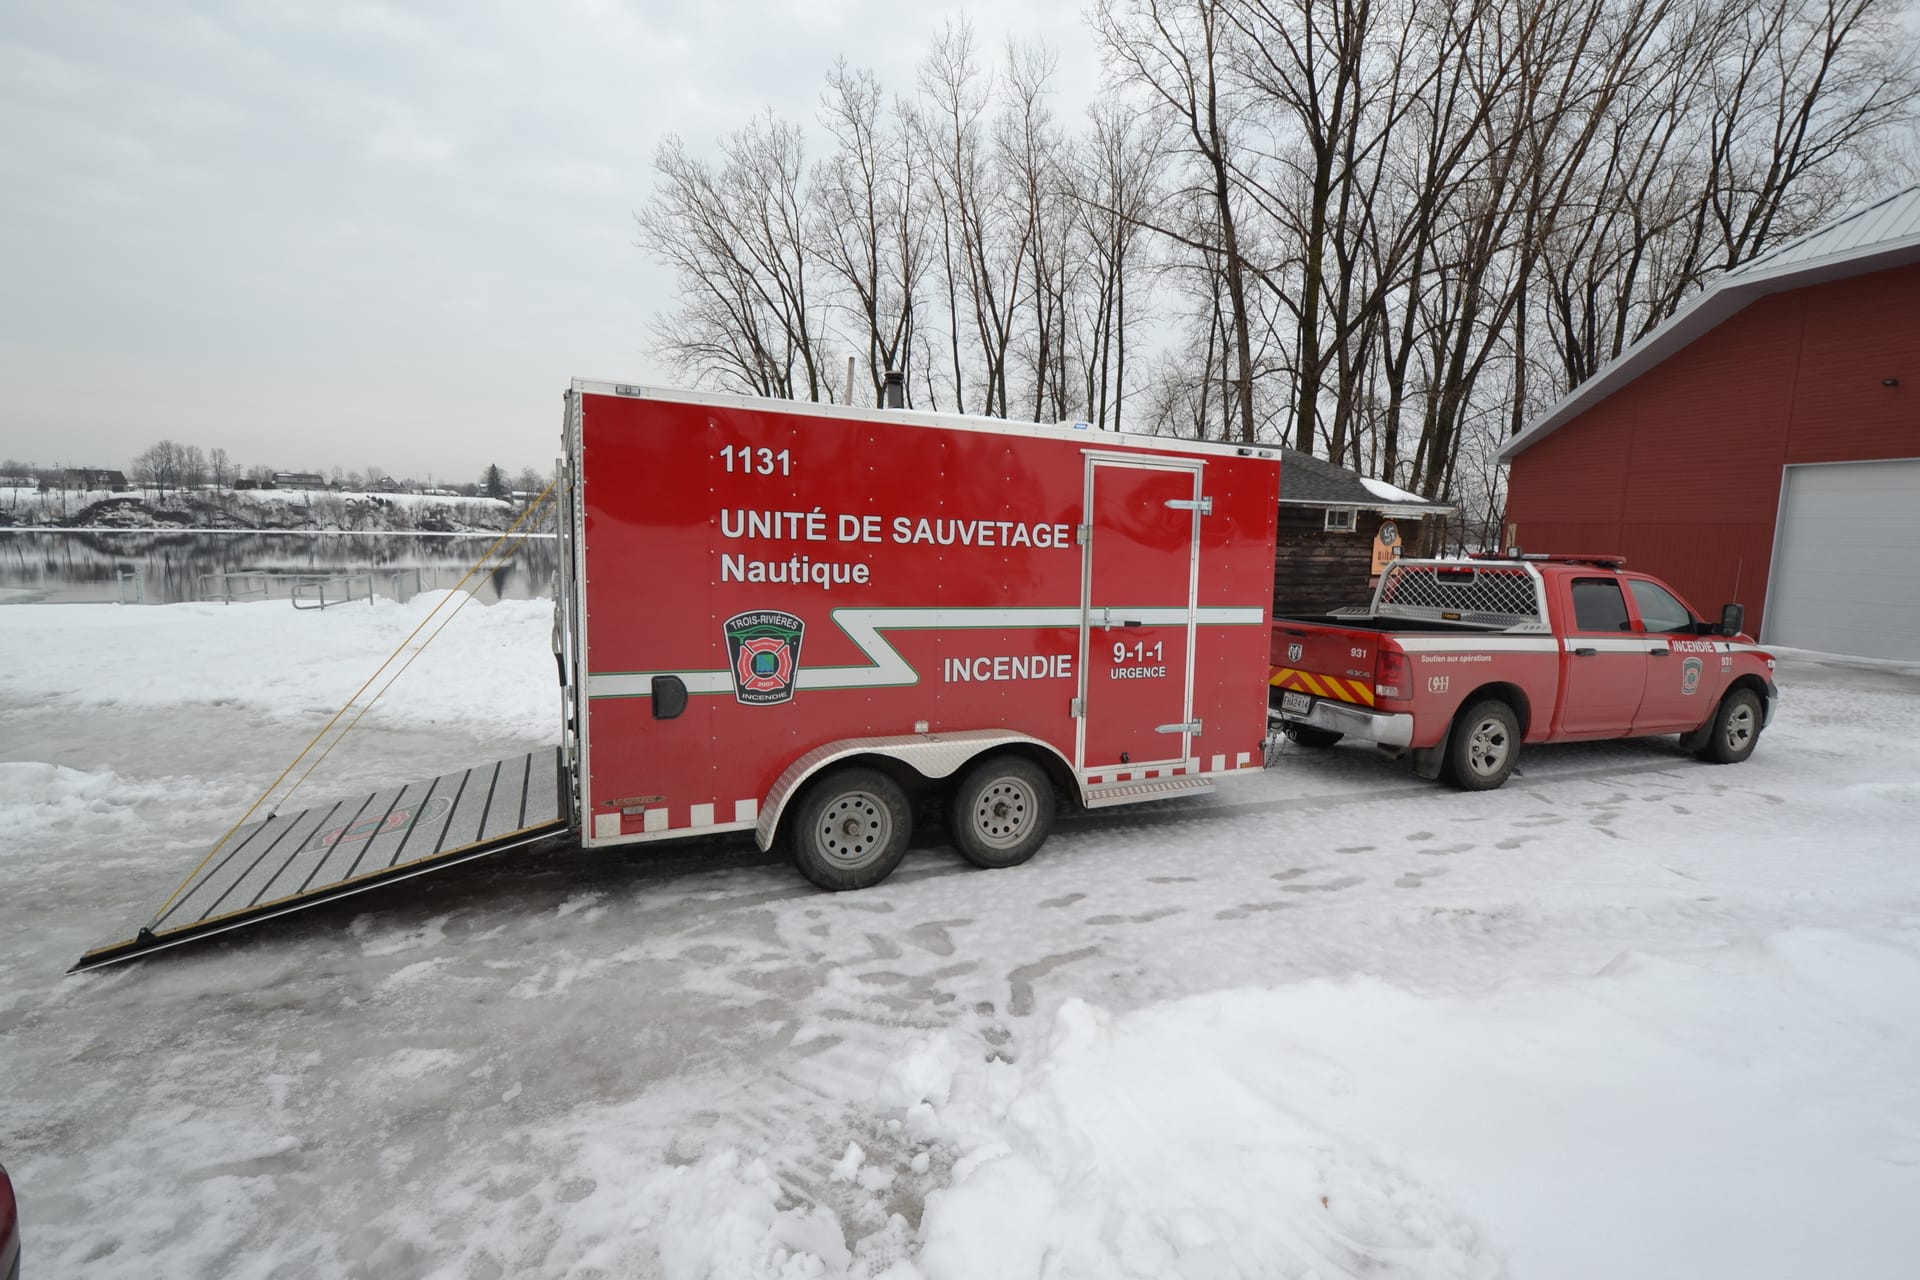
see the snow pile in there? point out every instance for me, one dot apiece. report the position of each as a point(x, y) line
point(490, 671)
point(1682, 1116)
point(43, 802)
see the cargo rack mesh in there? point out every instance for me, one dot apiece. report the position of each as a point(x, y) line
point(1506, 595)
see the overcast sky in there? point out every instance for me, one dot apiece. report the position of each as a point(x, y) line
point(320, 234)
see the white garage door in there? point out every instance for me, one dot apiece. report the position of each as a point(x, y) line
point(1846, 563)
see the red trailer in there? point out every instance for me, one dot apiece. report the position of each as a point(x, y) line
point(809, 621)
point(791, 617)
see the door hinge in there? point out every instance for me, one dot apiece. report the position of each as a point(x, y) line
point(1203, 505)
point(1188, 726)
point(1076, 709)
point(1082, 534)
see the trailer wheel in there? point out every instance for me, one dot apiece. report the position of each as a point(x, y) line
point(1305, 735)
point(1736, 729)
point(1483, 747)
point(1001, 811)
point(851, 830)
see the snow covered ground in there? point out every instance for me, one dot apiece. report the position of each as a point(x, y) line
point(1630, 1016)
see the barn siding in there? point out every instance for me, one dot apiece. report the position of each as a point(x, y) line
point(1680, 470)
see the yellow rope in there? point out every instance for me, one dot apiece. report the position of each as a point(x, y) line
point(485, 556)
point(341, 736)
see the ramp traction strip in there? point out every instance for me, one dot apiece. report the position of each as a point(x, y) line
point(294, 861)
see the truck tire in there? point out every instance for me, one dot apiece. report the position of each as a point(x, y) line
point(851, 829)
point(1306, 735)
point(1001, 812)
point(1735, 730)
point(1483, 747)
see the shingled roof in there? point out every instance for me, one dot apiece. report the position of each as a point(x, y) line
point(1307, 481)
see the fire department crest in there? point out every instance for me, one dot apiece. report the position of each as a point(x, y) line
point(763, 652)
point(1690, 675)
point(1294, 651)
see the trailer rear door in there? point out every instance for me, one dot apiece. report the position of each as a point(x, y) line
point(1137, 637)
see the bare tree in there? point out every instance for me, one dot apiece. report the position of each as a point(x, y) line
point(871, 236)
point(1174, 52)
point(739, 241)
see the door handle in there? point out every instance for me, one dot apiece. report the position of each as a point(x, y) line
point(1585, 653)
point(1660, 653)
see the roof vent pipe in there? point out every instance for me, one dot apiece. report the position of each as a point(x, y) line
point(896, 393)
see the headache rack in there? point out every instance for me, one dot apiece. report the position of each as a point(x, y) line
point(1505, 594)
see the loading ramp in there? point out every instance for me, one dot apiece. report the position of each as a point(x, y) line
point(293, 861)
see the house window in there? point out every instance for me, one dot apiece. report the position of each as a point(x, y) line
point(1340, 519)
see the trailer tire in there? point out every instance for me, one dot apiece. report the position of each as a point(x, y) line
point(1735, 730)
point(1305, 735)
point(1483, 746)
point(851, 829)
point(1002, 811)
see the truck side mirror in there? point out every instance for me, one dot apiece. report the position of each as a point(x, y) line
point(1733, 618)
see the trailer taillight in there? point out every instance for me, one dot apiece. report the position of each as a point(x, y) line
point(1390, 674)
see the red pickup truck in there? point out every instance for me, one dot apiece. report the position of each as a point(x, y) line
point(1459, 662)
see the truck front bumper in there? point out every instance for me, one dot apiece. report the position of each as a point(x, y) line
point(1388, 728)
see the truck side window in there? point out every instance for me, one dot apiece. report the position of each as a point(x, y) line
point(1658, 608)
point(1598, 605)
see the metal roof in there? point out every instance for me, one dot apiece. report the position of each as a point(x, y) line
point(1872, 238)
point(1314, 482)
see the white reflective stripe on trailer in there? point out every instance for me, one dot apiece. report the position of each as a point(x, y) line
point(864, 627)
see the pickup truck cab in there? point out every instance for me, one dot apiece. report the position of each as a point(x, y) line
point(1460, 662)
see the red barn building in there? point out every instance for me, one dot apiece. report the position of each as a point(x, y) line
point(1763, 445)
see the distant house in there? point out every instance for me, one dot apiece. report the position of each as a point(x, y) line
point(299, 480)
point(86, 479)
point(1335, 525)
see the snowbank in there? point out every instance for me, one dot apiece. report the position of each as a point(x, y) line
point(489, 672)
point(1681, 1115)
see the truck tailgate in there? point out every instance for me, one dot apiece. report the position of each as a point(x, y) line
point(1323, 661)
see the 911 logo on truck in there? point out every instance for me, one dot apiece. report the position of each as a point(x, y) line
point(763, 652)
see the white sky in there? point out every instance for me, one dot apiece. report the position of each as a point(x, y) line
point(320, 234)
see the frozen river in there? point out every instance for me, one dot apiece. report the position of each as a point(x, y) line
point(1631, 1015)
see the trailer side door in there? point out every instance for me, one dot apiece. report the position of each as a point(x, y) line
point(1137, 624)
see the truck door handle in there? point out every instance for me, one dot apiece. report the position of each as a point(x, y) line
point(1585, 653)
point(1660, 653)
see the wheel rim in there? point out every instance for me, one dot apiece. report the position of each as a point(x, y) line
point(1488, 748)
point(854, 828)
point(1739, 727)
point(1004, 813)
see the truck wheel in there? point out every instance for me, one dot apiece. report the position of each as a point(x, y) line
point(1001, 811)
point(1306, 735)
point(1483, 747)
point(851, 830)
point(1735, 731)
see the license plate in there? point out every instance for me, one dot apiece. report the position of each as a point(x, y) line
point(1297, 704)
